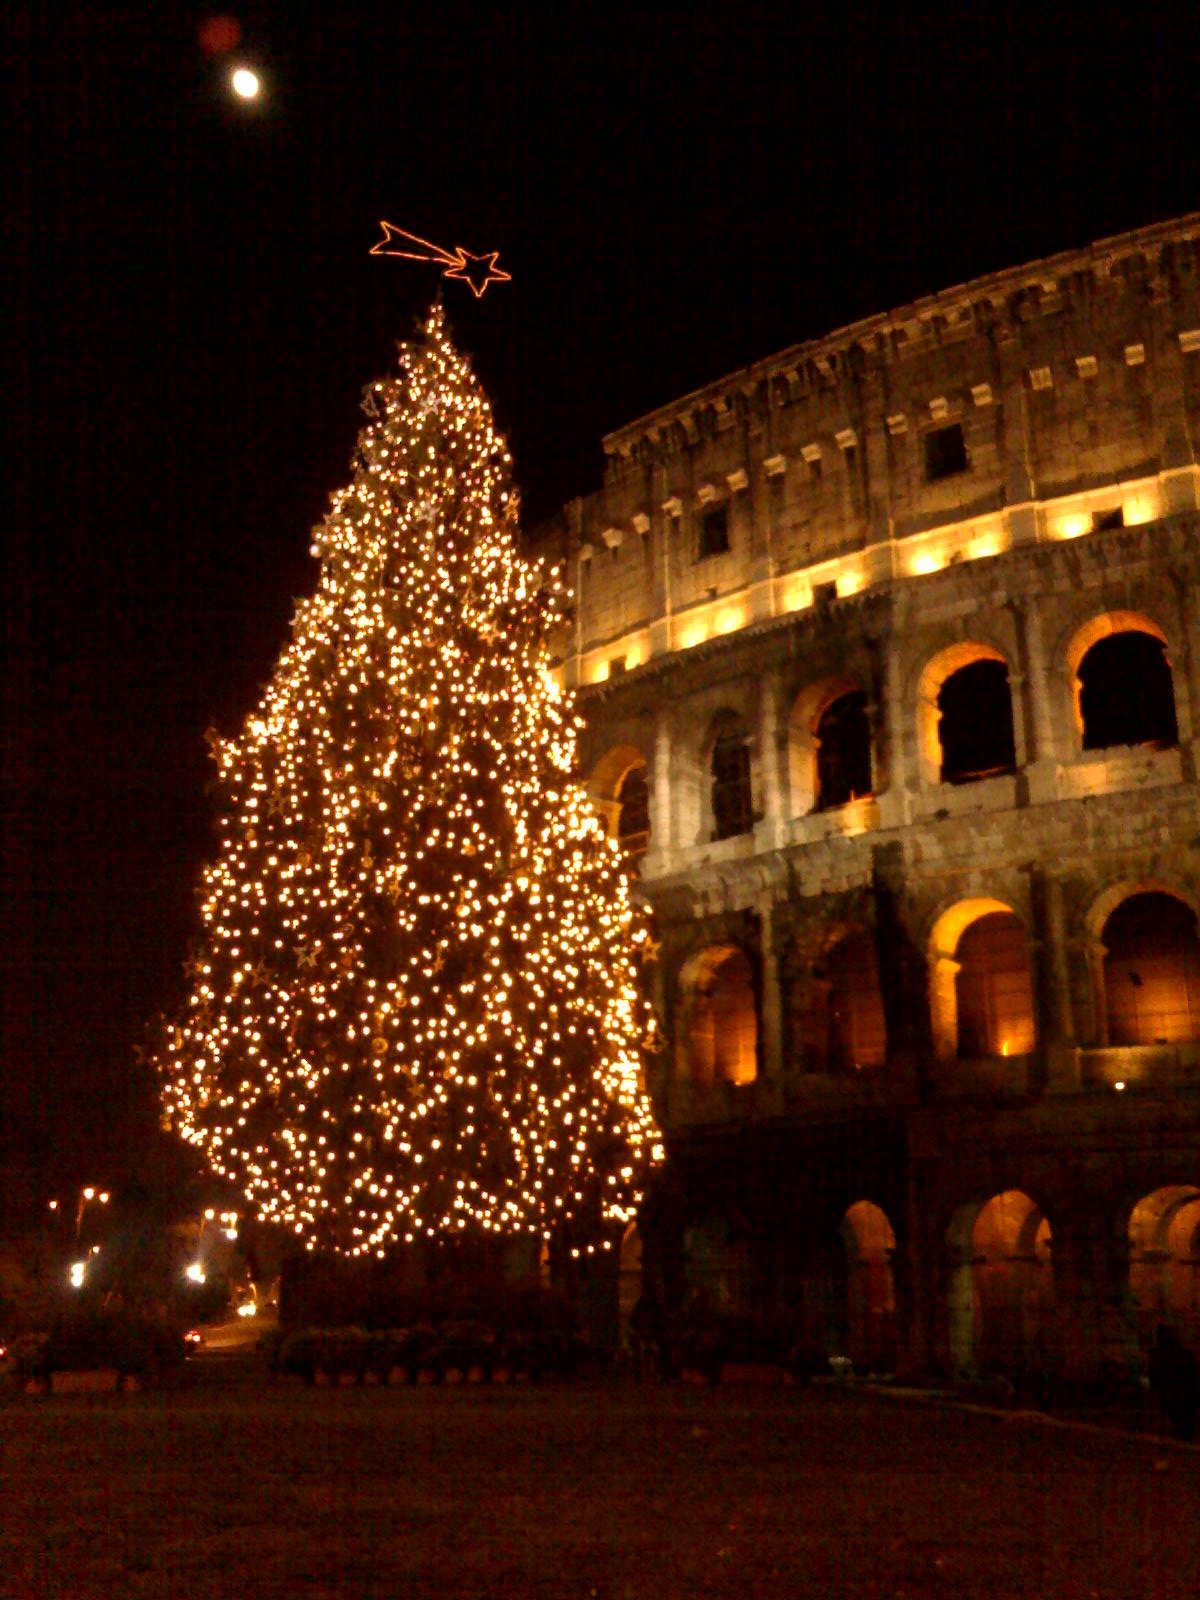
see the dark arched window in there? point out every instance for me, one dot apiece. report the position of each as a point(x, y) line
point(857, 1031)
point(1152, 971)
point(1125, 693)
point(993, 989)
point(732, 806)
point(975, 725)
point(843, 751)
point(633, 819)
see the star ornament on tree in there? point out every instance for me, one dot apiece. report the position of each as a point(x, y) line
point(476, 271)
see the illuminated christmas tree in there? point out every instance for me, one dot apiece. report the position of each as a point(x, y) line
point(415, 1010)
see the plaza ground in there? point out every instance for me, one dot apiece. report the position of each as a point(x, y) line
point(603, 1492)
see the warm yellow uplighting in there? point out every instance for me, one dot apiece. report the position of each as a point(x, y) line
point(245, 83)
point(1140, 507)
point(1071, 524)
point(926, 562)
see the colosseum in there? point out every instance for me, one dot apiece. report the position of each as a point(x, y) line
point(887, 652)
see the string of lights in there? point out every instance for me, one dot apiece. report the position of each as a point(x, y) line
point(414, 1009)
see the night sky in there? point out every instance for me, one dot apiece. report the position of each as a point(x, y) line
point(194, 313)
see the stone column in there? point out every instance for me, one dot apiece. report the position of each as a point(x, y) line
point(1053, 1011)
point(902, 977)
point(896, 779)
point(772, 1001)
point(1187, 678)
point(1041, 748)
point(770, 787)
point(661, 831)
point(1097, 1327)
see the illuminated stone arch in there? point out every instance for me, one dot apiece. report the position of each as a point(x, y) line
point(836, 1003)
point(1164, 1262)
point(946, 665)
point(1145, 963)
point(1000, 1288)
point(699, 730)
point(716, 1018)
point(609, 786)
point(727, 799)
point(981, 997)
point(1152, 704)
point(870, 1310)
point(812, 785)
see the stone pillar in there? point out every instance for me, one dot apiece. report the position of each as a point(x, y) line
point(892, 741)
point(1041, 744)
point(902, 976)
point(661, 832)
point(769, 829)
point(1097, 1326)
point(1053, 1012)
point(772, 998)
point(1187, 678)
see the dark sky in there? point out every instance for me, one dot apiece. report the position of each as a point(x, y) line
point(194, 314)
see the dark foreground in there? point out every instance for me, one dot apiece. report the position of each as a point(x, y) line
point(602, 1492)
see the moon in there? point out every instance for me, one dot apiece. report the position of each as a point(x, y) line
point(245, 83)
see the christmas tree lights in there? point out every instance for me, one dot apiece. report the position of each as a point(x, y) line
point(415, 1009)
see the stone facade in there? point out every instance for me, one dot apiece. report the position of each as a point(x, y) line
point(928, 1089)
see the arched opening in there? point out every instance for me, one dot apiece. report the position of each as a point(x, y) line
point(993, 988)
point(965, 724)
point(718, 1031)
point(1001, 1292)
point(1151, 971)
point(980, 986)
point(1164, 1263)
point(870, 1331)
point(731, 794)
point(608, 786)
point(1118, 665)
point(842, 751)
point(857, 1029)
point(1126, 692)
point(975, 726)
point(633, 817)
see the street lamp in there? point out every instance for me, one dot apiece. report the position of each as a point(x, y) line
point(86, 1196)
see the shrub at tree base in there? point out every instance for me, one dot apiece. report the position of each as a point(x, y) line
point(710, 1342)
point(133, 1347)
point(525, 1332)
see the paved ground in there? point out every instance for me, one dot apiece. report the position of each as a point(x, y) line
point(600, 1493)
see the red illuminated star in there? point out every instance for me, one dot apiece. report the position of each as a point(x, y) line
point(477, 271)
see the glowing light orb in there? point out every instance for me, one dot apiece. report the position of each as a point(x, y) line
point(245, 83)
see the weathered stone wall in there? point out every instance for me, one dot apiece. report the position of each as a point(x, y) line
point(1076, 384)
